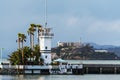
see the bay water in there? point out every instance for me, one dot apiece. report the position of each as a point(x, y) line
point(61, 77)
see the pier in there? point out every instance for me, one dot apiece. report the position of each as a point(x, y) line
point(75, 69)
point(98, 66)
point(101, 69)
point(71, 68)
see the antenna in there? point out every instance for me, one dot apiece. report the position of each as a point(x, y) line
point(80, 40)
point(45, 13)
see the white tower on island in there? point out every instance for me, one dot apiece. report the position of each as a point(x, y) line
point(45, 37)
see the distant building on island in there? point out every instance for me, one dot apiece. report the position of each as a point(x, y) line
point(75, 44)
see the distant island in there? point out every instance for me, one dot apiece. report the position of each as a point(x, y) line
point(79, 51)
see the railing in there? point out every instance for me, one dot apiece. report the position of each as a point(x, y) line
point(40, 66)
point(11, 66)
point(37, 67)
point(55, 67)
point(46, 34)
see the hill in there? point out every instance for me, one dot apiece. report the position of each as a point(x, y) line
point(97, 46)
point(110, 48)
point(86, 52)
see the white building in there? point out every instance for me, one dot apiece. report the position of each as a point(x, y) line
point(102, 51)
point(76, 44)
point(45, 37)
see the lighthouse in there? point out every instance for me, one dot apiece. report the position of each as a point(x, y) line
point(45, 37)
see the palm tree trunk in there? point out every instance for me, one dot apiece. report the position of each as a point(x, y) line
point(18, 43)
point(19, 47)
point(23, 59)
point(30, 46)
point(38, 37)
point(19, 54)
point(32, 41)
point(22, 54)
point(32, 37)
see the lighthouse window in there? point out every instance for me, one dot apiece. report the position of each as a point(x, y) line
point(45, 56)
point(46, 47)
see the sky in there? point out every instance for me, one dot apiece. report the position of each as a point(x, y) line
point(95, 21)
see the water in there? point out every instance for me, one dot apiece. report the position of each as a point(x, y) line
point(60, 77)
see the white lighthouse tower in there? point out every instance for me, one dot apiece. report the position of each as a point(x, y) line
point(45, 37)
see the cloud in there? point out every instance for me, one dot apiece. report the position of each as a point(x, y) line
point(93, 25)
point(104, 26)
point(90, 28)
point(72, 21)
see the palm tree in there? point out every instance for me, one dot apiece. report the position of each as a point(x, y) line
point(19, 40)
point(31, 31)
point(19, 50)
point(15, 58)
point(22, 39)
point(27, 54)
point(37, 55)
point(39, 27)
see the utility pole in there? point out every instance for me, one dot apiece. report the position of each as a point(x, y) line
point(1, 50)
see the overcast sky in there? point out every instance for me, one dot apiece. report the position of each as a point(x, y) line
point(95, 21)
